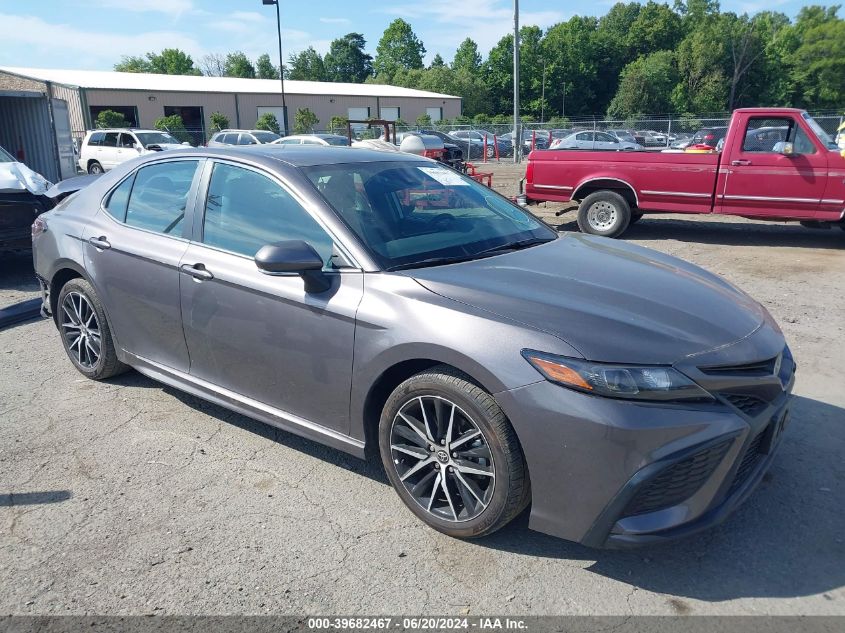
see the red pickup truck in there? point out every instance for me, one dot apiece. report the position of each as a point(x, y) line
point(776, 164)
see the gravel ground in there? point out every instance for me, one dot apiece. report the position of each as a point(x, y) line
point(127, 497)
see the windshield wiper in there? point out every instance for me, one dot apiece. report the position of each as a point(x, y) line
point(439, 261)
point(515, 246)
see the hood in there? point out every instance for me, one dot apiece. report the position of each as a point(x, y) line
point(70, 185)
point(16, 177)
point(612, 301)
point(158, 147)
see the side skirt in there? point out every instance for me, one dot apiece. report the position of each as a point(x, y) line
point(245, 406)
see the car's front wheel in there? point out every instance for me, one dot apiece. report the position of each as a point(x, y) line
point(85, 332)
point(452, 455)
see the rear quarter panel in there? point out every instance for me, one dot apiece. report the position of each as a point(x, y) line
point(674, 182)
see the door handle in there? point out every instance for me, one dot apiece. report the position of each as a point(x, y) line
point(740, 162)
point(99, 242)
point(197, 271)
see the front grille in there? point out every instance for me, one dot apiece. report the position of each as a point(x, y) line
point(749, 462)
point(749, 405)
point(677, 482)
point(761, 368)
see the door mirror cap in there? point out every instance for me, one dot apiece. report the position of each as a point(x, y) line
point(782, 147)
point(297, 257)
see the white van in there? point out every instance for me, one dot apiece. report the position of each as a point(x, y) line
point(103, 149)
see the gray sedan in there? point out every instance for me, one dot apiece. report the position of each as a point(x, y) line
point(593, 140)
point(390, 307)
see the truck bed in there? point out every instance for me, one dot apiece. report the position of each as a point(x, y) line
point(660, 181)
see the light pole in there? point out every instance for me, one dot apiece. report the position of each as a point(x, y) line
point(517, 138)
point(281, 65)
point(543, 96)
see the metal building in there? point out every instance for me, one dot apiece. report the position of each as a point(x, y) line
point(43, 110)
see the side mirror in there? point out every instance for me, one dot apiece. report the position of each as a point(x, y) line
point(782, 147)
point(294, 257)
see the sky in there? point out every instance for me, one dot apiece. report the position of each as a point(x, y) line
point(95, 34)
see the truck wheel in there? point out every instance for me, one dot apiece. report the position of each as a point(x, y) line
point(604, 213)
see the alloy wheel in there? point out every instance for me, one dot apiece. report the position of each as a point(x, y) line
point(442, 458)
point(81, 329)
point(601, 215)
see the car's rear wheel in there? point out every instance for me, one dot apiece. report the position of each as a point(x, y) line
point(85, 331)
point(604, 213)
point(95, 168)
point(452, 455)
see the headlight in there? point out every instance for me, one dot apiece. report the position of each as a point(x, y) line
point(631, 382)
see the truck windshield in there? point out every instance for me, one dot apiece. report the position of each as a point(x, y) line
point(420, 213)
point(5, 157)
point(823, 136)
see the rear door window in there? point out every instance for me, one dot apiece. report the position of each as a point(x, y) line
point(159, 196)
point(110, 139)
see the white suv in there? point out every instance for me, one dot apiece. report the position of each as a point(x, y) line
point(224, 138)
point(103, 149)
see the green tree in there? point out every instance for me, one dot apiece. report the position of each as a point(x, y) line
point(346, 60)
point(656, 28)
point(819, 62)
point(424, 120)
point(306, 65)
point(702, 59)
point(645, 86)
point(467, 57)
point(175, 126)
point(338, 123)
point(578, 61)
point(171, 61)
point(437, 62)
point(132, 64)
point(110, 119)
point(399, 47)
point(268, 121)
point(304, 121)
point(264, 68)
point(219, 121)
point(238, 65)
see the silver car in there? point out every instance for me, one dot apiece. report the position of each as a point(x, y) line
point(593, 140)
point(388, 306)
point(225, 138)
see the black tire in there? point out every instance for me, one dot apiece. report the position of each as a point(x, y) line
point(510, 492)
point(106, 364)
point(635, 217)
point(604, 213)
point(95, 168)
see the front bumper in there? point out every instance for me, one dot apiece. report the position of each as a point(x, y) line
point(613, 473)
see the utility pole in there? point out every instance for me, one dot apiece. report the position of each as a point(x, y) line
point(563, 102)
point(517, 136)
point(543, 96)
point(281, 65)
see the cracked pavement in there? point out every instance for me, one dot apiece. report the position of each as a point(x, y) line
point(126, 497)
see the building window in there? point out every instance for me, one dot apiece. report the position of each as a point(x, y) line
point(130, 113)
point(390, 114)
point(436, 114)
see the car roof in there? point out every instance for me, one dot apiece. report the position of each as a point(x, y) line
point(126, 129)
point(295, 155)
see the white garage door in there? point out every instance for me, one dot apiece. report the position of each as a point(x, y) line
point(390, 113)
point(276, 111)
point(358, 114)
point(435, 113)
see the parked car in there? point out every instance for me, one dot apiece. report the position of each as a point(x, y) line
point(398, 308)
point(682, 141)
point(623, 136)
point(561, 133)
point(754, 176)
point(313, 139)
point(539, 139)
point(453, 155)
point(224, 138)
point(472, 141)
point(593, 140)
point(104, 149)
point(22, 199)
point(650, 138)
point(709, 135)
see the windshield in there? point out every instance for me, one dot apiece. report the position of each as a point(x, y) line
point(337, 140)
point(266, 137)
point(823, 136)
point(155, 138)
point(6, 157)
point(412, 214)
